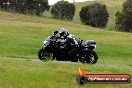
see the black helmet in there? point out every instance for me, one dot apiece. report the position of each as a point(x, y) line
point(63, 32)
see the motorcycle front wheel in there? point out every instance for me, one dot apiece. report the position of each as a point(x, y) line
point(44, 55)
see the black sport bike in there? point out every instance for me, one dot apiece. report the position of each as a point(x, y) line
point(65, 50)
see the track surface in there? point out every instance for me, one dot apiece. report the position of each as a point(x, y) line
point(68, 62)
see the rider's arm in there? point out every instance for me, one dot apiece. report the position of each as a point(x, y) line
point(73, 38)
point(76, 43)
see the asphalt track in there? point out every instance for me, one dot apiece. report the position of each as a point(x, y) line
point(68, 62)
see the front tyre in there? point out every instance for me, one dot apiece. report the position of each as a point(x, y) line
point(43, 55)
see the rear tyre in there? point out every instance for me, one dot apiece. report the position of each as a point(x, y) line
point(92, 57)
point(89, 56)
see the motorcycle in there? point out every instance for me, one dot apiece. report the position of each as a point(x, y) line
point(64, 50)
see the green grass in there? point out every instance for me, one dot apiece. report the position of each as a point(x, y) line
point(22, 36)
point(30, 74)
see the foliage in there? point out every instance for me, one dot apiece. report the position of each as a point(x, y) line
point(26, 6)
point(95, 15)
point(124, 18)
point(63, 10)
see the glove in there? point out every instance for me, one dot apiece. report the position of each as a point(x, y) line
point(55, 32)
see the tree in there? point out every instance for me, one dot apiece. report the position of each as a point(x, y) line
point(124, 18)
point(12, 4)
point(40, 6)
point(95, 15)
point(27, 6)
point(21, 6)
point(3, 4)
point(63, 10)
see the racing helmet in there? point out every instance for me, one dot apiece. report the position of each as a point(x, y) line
point(63, 32)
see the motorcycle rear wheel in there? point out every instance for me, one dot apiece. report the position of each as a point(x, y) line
point(89, 57)
point(92, 57)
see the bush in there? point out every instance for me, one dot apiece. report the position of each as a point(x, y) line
point(2, 5)
point(40, 6)
point(63, 10)
point(124, 18)
point(95, 15)
point(26, 6)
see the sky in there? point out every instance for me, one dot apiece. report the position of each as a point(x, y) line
point(51, 2)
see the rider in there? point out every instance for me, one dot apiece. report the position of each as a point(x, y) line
point(70, 40)
point(64, 34)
